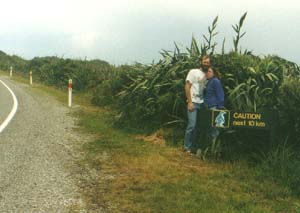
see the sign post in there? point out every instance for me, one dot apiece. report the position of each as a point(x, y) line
point(11, 70)
point(70, 85)
point(30, 77)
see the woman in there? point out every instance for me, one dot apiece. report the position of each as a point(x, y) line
point(214, 93)
point(213, 98)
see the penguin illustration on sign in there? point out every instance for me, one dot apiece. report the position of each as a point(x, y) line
point(220, 119)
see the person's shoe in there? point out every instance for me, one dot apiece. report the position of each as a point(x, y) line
point(185, 148)
point(199, 153)
point(188, 151)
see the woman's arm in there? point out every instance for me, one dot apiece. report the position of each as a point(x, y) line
point(219, 93)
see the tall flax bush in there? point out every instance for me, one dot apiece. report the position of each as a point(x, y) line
point(251, 83)
point(156, 95)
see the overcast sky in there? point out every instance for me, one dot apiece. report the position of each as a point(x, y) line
point(125, 31)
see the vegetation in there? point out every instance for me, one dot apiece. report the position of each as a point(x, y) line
point(56, 71)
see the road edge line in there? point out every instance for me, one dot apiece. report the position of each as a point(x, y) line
point(12, 112)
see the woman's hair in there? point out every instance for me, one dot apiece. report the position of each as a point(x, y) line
point(216, 73)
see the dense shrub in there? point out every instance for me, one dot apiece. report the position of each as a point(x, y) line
point(7, 61)
point(103, 94)
point(289, 108)
point(55, 71)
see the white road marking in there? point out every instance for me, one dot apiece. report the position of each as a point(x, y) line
point(12, 112)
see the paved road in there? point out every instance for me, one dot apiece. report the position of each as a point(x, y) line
point(37, 154)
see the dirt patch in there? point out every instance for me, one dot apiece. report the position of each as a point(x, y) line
point(155, 138)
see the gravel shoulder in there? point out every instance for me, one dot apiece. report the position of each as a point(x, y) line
point(37, 154)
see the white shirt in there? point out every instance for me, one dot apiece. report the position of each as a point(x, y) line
point(197, 78)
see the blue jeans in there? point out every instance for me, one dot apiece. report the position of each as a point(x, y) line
point(190, 132)
point(212, 132)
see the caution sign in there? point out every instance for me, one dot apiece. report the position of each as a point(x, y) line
point(229, 119)
point(235, 119)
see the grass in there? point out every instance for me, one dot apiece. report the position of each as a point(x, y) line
point(157, 178)
point(134, 175)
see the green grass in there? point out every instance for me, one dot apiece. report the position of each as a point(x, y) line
point(135, 175)
point(153, 178)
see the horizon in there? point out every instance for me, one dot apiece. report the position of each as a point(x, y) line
point(92, 59)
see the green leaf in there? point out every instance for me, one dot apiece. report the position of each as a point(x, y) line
point(271, 76)
point(243, 18)
point(242, 34)
point(215, 21)
point(235, 90)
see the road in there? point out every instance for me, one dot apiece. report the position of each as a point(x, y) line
point(37, 154)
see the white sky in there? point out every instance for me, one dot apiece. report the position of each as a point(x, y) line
point(124, 31)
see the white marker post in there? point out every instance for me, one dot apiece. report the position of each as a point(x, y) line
point(10, 73)
point(70, 93)
point(30, 77)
